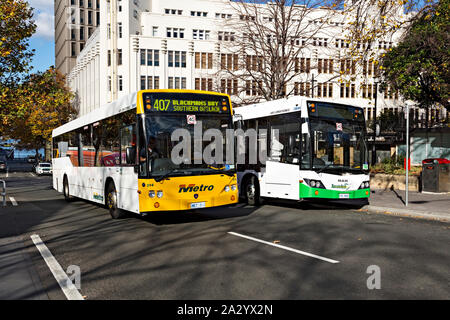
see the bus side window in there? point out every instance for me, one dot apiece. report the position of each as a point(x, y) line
point(97, 141)
point(111, 142)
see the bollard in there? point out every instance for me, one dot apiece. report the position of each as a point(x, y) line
point(3, 194)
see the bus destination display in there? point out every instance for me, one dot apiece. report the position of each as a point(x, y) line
point(185, 103)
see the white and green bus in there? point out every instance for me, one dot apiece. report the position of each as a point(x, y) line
point(315, 149)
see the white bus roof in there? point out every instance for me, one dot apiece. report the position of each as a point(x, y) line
point(120, 105)
point(286, 105)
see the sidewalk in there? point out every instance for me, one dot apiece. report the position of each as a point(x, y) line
point(431, 206)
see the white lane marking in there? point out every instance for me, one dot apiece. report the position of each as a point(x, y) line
point(32, 174)
point(61, 277)
point(13, 201)
point(284, 248)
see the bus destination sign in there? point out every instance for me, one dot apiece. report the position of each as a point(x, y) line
point(185, 103)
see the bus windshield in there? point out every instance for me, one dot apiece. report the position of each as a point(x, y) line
point(337, 139)
point(194, 114)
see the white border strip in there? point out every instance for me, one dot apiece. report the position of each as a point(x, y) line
point(61, 277)
point(284, 247)
point(13, 201)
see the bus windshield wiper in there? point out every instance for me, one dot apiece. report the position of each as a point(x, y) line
point(165, 176)
point(326, 167)
point(227, 172)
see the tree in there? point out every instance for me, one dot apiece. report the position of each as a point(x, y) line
point(43, 104)
point(261, 52)
point(16, 27)
point(419, 66)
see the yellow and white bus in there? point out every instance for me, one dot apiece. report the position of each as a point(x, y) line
point(120, 155)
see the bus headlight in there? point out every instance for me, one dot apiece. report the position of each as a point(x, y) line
point(159, 194)
point(227, 188)
point(365, 185)
point(315, 183)
point(233, 187)
point(151, 193)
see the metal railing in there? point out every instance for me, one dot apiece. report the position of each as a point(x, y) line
point(3, 194)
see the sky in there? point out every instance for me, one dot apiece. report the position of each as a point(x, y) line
point(43, 41)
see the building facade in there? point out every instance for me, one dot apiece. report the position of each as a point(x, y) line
point(170, 44)
point(75, 23)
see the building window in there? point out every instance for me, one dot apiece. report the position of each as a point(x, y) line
point(200, 34)
point(177, 59)
point(173, 11)
point(143, 82)
point(119, 57)
point(155, 31)
point(73, 49)
point(142, 57)
point(177, 83)
point(120, 29)
point(175, 33)
point(225, 36)
point(90, 18)
point(199, 14)
point(156, 58)
point(120, 83)
point(203, 60)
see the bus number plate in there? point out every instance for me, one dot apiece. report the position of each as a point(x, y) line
point(197, 205)
point(344, 196)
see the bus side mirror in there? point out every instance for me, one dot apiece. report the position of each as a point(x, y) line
point(131, 155)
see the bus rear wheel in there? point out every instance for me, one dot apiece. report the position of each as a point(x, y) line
point(251, 191)
point(111, 202)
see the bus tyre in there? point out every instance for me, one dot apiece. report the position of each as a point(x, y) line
point(111, 202)
point(251, 191)
point(67, 196)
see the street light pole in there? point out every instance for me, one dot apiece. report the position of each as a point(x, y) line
point(407, 153)
point(374, 151)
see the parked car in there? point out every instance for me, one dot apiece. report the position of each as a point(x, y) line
point(43, 168)
point(3, 164)
point(31, 159)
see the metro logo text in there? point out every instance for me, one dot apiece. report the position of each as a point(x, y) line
point(194, 188)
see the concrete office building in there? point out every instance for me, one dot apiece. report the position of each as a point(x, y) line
point(75, 22)
point(180, 44)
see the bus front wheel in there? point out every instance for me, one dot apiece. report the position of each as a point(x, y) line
point(251, 191)
point(111, 202)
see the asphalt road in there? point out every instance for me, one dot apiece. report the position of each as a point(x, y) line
point(193, 255)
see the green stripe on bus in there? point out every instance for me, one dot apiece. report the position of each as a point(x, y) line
point(308, 192)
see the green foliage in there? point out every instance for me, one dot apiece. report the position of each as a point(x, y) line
point(395, 165)
point(419, 66)
point(16, 27)
point(36, 107)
